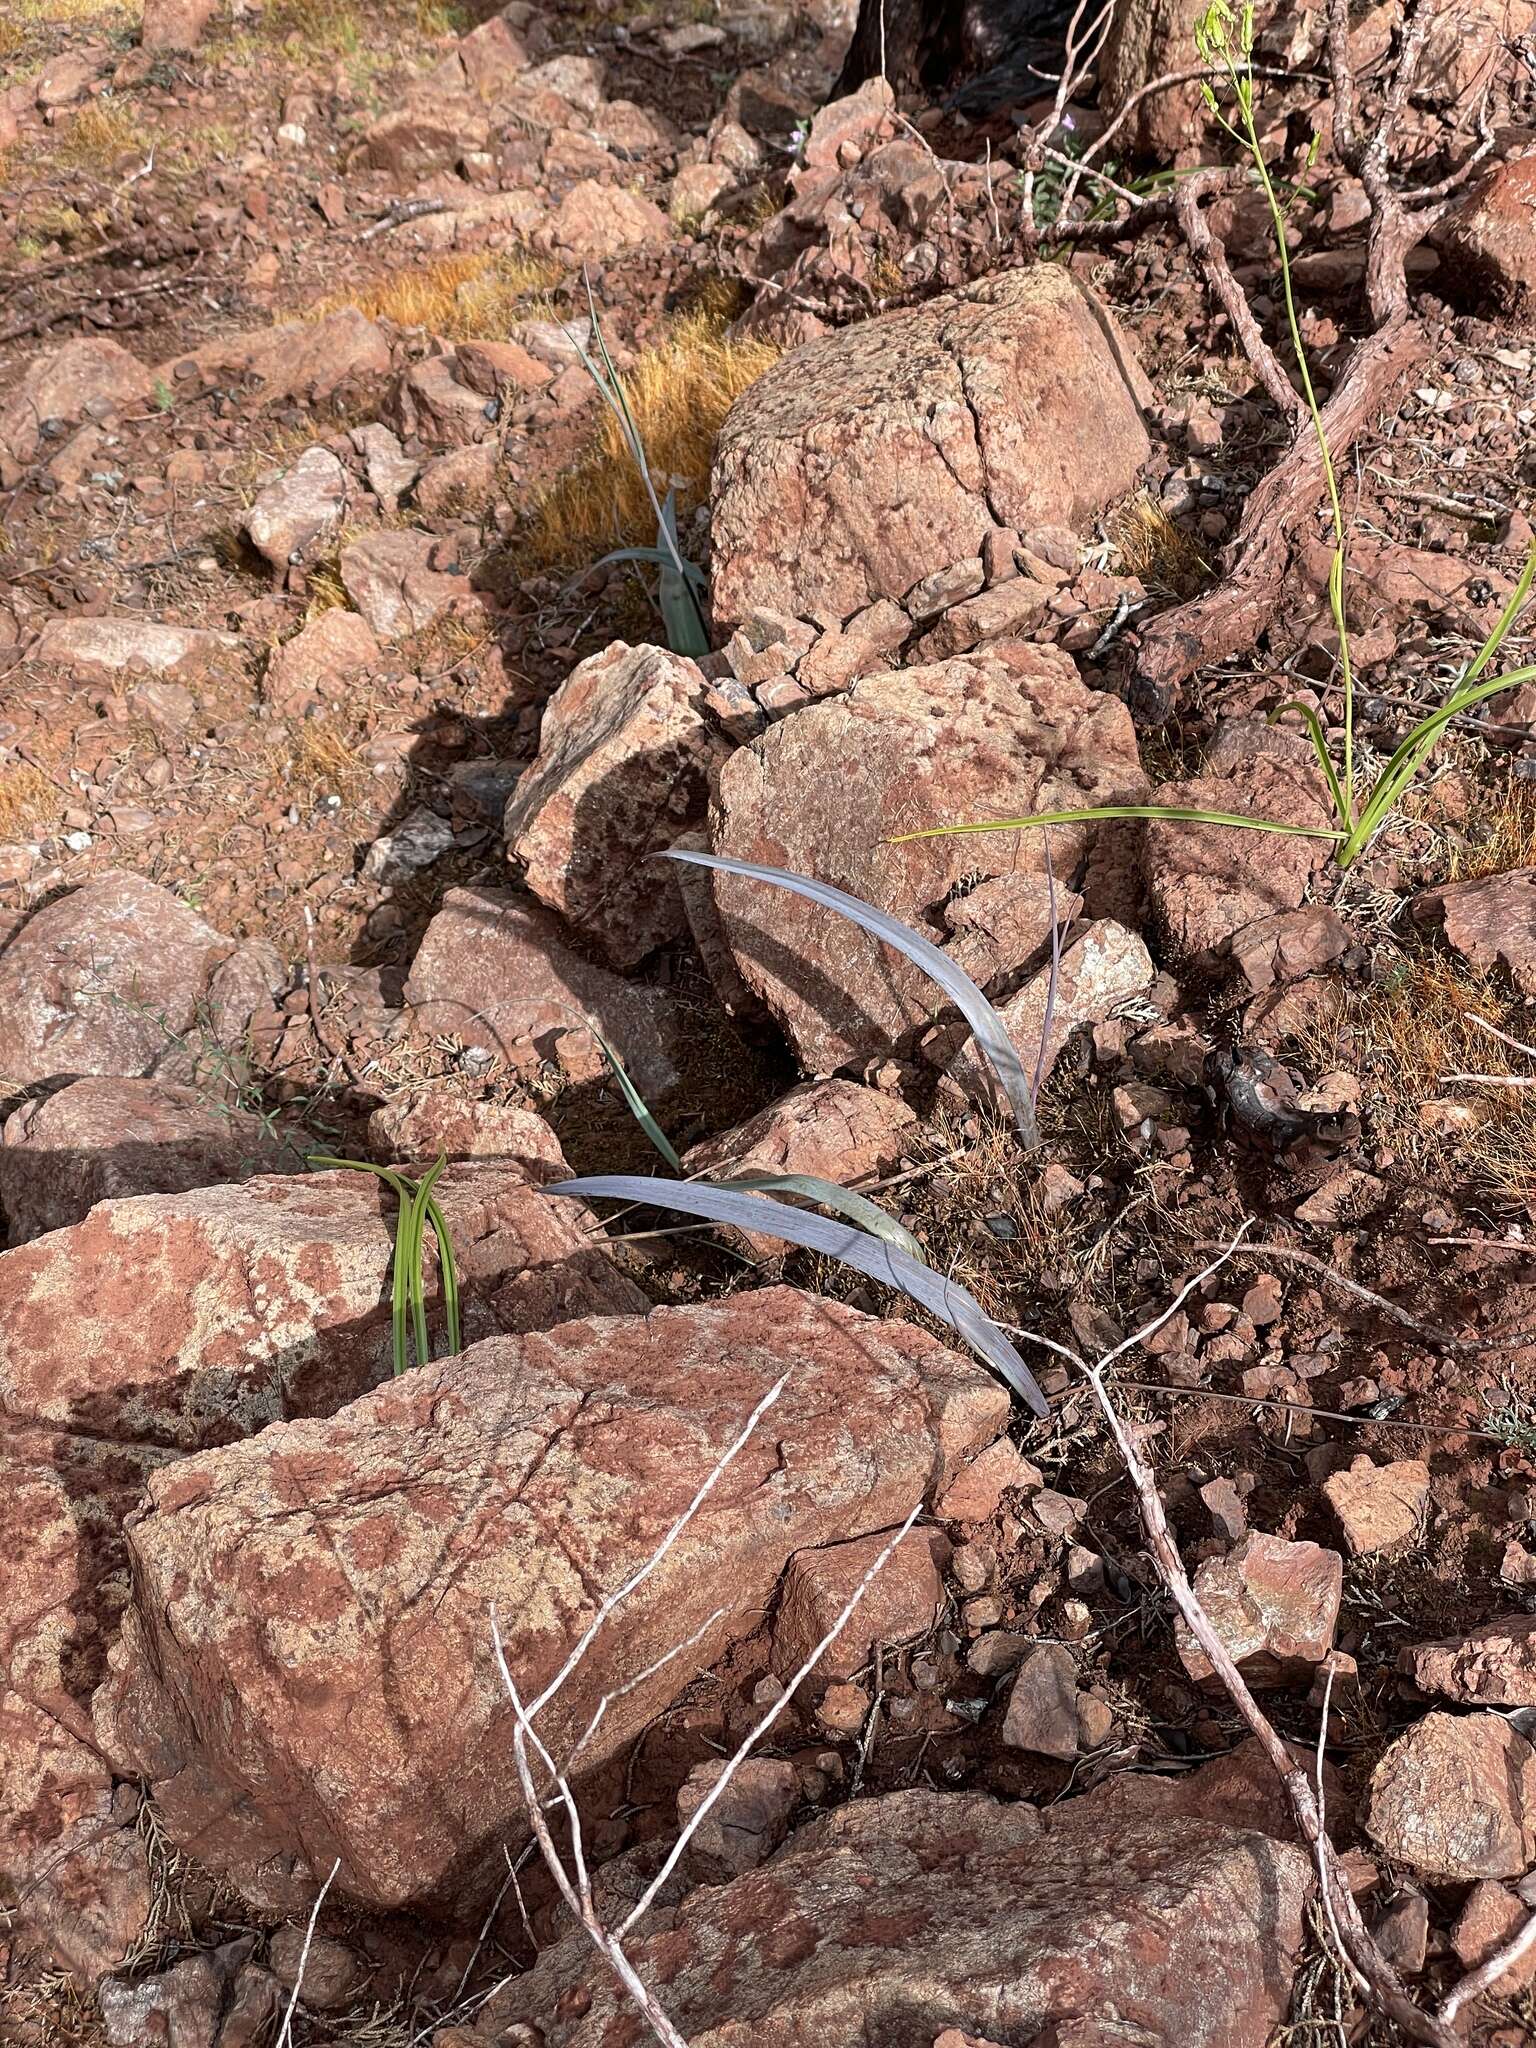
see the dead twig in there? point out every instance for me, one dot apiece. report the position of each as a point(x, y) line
point(570, 1870)
point(1430, 1332)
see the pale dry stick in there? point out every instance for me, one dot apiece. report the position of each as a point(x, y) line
point(1431, 1332)
point(286, 2036)
point(1490, 1080)
point(1385, 1988)
point(1074, 68)
point(1503, 1037)
point(755, 1735)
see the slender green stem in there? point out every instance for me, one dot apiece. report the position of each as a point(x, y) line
point(1242, 83)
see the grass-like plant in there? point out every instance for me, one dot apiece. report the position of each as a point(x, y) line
point(1225, 40)
point(682, 584)
point(418, 1208)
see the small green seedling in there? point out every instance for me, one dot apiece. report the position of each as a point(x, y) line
point(418, 1208)
point(1225, 42)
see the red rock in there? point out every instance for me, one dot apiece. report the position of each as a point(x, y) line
point(993, 737)
point(436, 410)
point(347, 1570)
point(746, 1823)
point(494, 971)
point(1462, 52)
point(463, 1128)
point(1104, 966)
point(485, 61)
point(62, 1501)
point(495, 367)
point(102, 1139)
point(897, 1918)
point(388, 577)
point(1489, 1918)
point(1290, 945)
point(836, 1130)
point(1239, 1789)
point(626, 757)
point(304, 359)
point(1274, 1604)
point(595, 222)
point(1488, 243)
point(1209, 883)
point(899, 1603)
point(322, 659)
point(1042, 1703)
point(866, 461)
point(104, 981)
point(978, 1493)
point(95, 649)
point(1493, 1665)
point(330, 1973)
point(1150, 39)
point(1402, 1932)
point(1491, 922)
point(87, 379)
point(297, 509)
point(1344, 1198)
point(432, 133)
point(1378, 1507)
point(1456, 1797)
point(175, 24)
point(193, 1318)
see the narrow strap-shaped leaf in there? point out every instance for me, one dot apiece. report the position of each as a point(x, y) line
point(847, 1202)
point(873, 1257)
point(1314, 725)
point(1175, 813)
point(448, 1266)
point(1506, 618)
point(635, 1101)
point(989, 1030)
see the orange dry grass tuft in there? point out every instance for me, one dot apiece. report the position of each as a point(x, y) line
point(679, 395)
point(1405, 1035)
point(471, 297)
point(27, 799)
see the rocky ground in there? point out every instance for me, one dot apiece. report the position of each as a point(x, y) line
point(334, 761)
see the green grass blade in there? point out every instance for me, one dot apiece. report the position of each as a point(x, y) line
point(416, 1282)
point(1175, 813)
point(1314, 725)
point(448, 1266)
point(829, 1194)
point(1410, 756)
point(1506, 619)
point(635, 1101)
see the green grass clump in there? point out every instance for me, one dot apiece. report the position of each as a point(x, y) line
point(408, 1296)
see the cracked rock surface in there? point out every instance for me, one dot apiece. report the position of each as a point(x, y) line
point(866, 461)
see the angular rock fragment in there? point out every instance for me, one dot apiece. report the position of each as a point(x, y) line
point(1275, 1606)
point(1456, 1797)
point(626, 756)
point(497, 973)
point(899, 1603)
point(824, 791)
point(1378, 1507)
point(1492, 1665)
point(101, 1139)
point(899, 1918)
point(105, 980)
point(863, 463)
point(346, 1571)
point(191, 1319)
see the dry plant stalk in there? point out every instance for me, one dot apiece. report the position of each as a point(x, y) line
point(1372, 1973)
point(574, 1877)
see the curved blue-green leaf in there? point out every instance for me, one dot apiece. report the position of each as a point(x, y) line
point(830, 1194)
point(873, 1257)
point(989, 1030)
